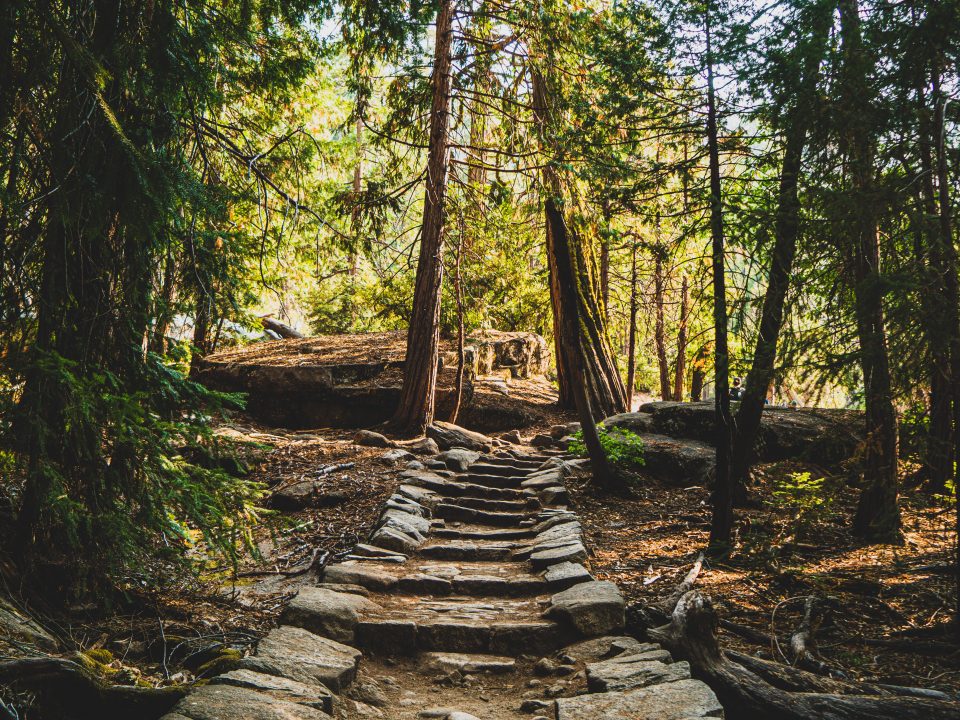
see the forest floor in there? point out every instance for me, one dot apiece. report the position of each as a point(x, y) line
point(645, 543)
point(882, 599)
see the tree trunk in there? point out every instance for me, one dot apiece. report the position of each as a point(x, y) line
point(680, 370)
point(417, 397)
point(721, 525)
point(878, 515)
point(786, 231)
point(604, 384)
point(603, 472)
point(937, 455)
point(632, 341)
point(163, 307)
point(461, 353)
point(658, 333)
point(605, 277)
point(952, 302)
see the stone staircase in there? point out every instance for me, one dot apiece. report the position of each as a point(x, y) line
point(470, 600)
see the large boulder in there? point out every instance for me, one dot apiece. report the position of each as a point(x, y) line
point(523, 354)
point(679, 461)
point(459, 459)
point(327, 613)
point(447, 435)
point(592, 608)
point(300, 655)
point(825, 436)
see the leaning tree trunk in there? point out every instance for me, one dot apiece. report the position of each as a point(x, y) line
point(787, 229)
point(605, 387)
point(721, 525)
point(878, 515)
point(418, 395)
point(570, 285)
point(607, 393)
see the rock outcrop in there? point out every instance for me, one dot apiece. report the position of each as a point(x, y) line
point(678, 437)
point(355, 380)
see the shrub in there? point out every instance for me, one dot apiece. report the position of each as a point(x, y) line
point(807, 499)
point(622, 447)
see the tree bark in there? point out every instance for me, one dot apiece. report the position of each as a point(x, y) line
point(418, 394)
point(938, 455)
point(461, 353)
point(786, 232)
point(680, 370)
point(659, 336)
point(600, 373)
point(721, 524)
point(603, 472)
point(878, 514)
point(632, 339)
point(605, 277)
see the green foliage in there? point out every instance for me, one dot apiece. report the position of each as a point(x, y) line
point(621, 446)
point(807, 500)
point(152, 484)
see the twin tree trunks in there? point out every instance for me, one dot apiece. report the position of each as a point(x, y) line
point(578, 320)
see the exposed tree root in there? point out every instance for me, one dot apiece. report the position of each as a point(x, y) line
point(752, 688)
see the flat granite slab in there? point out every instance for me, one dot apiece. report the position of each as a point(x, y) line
point(680, 700)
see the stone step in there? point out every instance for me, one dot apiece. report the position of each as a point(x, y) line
point(502, 626)
point(529, 504)
point(425, 576)
point(440, 663)
point(455, 488)
point(482, 532)
point(513, 461)
point(487, 579)
point(497, 469)
point(450, 511)
point(479, 549)
point(494, 481)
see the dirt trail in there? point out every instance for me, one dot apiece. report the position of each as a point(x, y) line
point(470, 600)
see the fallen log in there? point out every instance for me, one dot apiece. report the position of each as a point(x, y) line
point(754, 689)
point(68, 688)
point(281, 329)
